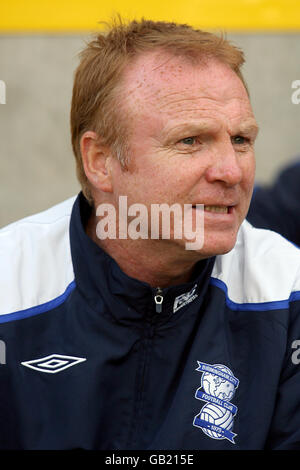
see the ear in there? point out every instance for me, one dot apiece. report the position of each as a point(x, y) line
point(95, 159)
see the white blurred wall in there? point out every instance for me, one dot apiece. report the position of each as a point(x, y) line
point(36, 163)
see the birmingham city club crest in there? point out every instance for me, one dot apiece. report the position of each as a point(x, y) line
point(216, 417)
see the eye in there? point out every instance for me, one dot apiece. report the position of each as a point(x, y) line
point(240, 140)
point(188, 140)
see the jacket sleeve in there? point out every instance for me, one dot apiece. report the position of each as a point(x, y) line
point(285, 427)
point(277, 207)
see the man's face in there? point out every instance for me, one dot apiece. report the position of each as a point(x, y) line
point(191, 133)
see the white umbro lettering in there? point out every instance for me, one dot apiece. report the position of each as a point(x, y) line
point(184, 299)
point(53, 363)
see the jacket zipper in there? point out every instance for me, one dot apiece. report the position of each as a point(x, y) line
point(134, 434)
point(158, 299)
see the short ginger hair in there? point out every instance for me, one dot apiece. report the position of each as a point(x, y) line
point(95, 105)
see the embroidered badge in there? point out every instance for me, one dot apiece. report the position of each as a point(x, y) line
point(184, 299)
point(218, 386)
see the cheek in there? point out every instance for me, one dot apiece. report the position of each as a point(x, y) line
point(142, 186)
point(249, 172)
point(158, 178)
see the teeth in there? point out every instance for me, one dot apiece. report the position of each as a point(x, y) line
point(221, 209)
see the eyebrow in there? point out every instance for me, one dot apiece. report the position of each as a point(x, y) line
point(248, 126)
point(191, 128)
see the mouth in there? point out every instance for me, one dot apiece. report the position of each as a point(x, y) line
point(217, 209)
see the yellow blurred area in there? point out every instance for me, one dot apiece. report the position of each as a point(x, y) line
point(67, 16)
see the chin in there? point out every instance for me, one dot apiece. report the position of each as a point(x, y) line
point(214, 244)
point(217, 247)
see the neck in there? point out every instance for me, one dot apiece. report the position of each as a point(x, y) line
point(160, 263)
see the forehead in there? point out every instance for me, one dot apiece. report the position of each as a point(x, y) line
point(173, 87)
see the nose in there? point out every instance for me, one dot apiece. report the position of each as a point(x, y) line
point(225, 164)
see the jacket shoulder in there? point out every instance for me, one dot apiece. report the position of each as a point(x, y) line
point(35, 259)
point(263, 267)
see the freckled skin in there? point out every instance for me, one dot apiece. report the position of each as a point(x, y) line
point(166, 99)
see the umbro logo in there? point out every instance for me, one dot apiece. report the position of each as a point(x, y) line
point(185, 299)
point(53, 363)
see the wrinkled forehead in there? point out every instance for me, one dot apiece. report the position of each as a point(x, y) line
point(157, 78)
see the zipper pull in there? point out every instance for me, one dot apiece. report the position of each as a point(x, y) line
point(158, 299)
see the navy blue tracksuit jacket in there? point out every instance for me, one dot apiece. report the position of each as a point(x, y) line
point(93, 359)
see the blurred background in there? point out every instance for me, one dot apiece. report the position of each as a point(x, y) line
point(39, 45)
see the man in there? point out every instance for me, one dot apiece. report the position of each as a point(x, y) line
point(277, 206)
point(134, 342)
